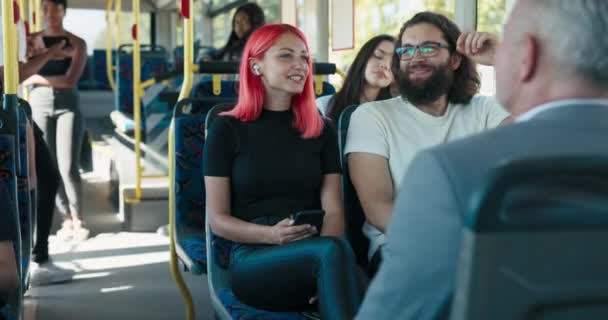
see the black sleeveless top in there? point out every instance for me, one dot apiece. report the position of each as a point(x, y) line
point(56, 67)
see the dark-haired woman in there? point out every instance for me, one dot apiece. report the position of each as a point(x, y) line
point(55, 107)
point(246, 19)
point(368, 79)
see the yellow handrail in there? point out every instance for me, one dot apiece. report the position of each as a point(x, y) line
point(24, 17)
point(109, 61)
point(184, 93)
point(9, 30)
point(23, 10)
point(137, 97)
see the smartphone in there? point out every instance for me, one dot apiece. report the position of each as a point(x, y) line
point(312, 217)
point(50, 41)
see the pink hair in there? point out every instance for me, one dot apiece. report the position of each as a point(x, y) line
point(251, 90)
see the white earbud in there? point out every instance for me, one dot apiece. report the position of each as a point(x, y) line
point(256, 69)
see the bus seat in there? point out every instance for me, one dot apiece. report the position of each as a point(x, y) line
point(86, 81)
point(154, 62)
point(23, 197)
point(328, 89)
point(534, 242)
point(204, 88)
point(8, 159)
point(353, 212)
point(225, 304)
point(100, 75)
point(189, 188)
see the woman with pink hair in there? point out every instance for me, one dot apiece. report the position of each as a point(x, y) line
point(269, 157)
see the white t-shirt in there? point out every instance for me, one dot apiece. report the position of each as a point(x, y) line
point(21, 39)
point(397, 131)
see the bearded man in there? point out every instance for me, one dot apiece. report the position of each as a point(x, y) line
point(435, 66)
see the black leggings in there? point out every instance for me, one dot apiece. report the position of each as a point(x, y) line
point(284, 278)
point(48, 183)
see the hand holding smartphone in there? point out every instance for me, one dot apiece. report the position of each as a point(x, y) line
point(311, 217)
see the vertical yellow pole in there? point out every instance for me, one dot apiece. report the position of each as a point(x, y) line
point(30, 18)
point(11, 75)
point(117, 13)
point(109, 61)
point(24, 18)
point(185, 92)
point(137, 96)
point(38, 15)
point(188, 53)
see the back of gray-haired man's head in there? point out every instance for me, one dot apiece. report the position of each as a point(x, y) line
point(575, 36)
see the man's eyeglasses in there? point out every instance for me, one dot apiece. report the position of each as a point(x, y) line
point(427, 50)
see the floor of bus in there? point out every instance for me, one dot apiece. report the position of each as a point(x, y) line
point(119, 275)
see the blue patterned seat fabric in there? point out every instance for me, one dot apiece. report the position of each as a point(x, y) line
point(189, 187)
point(7, 177)
point(23, 196)
point(205, 88)
point(152, 64)
point(100, 74)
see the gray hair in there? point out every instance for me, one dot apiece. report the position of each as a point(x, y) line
point(576, 36)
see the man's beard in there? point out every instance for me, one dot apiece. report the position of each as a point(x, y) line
point(426, 91)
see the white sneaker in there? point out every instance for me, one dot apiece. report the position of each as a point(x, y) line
point(66, 232)
point(48, 273)
point(80, 234)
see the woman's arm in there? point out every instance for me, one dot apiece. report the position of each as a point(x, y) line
point(331, 201)
point(226, 226)
point(71, 77)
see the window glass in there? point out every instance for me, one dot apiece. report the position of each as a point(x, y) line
point(374, 17)
point(490, 18)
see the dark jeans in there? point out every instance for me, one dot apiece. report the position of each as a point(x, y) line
point(48, 183)
point(284, 278)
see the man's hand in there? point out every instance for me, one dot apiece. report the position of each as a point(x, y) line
point(479, 46)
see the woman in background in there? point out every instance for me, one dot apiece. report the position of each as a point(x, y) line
point(368, 79)
point(246, 19)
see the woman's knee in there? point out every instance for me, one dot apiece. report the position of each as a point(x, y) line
point(333, 248)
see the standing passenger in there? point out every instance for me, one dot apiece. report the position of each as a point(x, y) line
point(269, 157)
point(368, 78)
point(55, 107)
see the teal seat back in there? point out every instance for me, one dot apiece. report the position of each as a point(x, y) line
point(9, 158)
point(23, 194)
point(189, 187)
point(354, 215)
point(535, 242)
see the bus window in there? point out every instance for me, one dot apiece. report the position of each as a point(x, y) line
point(373, 17)
point(272, 10)
point(490, 18)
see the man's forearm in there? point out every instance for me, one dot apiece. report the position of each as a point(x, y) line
point(379, 214)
